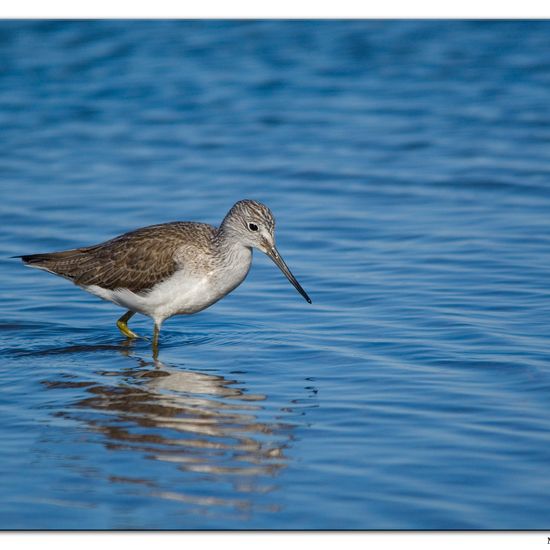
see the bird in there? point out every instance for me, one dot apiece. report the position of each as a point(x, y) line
point(175, 268)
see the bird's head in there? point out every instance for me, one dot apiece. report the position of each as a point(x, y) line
point(253, 225)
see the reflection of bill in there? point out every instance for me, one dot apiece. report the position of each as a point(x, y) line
point(204, 424)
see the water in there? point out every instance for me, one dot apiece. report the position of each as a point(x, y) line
point(408, 166)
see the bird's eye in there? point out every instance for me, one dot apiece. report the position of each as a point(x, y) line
point(252, 227)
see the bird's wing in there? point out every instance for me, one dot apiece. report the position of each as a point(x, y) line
point(137, 260)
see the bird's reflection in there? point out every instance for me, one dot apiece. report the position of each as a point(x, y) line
point(205, 412)
point(206, 425)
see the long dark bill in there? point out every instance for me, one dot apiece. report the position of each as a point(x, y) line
point(276, 257)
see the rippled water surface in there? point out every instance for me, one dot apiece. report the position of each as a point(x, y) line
point(408, 166)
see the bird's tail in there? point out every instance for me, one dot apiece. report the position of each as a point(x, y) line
point(48, 257)
point(60, 263)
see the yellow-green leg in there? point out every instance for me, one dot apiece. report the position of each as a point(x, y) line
point(123, 327)
point(156, 332)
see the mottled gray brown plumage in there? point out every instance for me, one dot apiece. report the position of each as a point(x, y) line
point(137, 260)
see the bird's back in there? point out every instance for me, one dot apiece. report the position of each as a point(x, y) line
point(136, 261)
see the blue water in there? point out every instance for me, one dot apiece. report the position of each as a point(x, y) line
point(408, 166)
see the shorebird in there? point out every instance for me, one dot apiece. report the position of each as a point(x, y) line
point(172, 268)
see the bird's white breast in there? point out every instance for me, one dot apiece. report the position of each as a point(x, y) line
point(186, 291)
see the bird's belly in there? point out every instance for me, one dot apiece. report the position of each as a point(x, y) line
point(183, 293)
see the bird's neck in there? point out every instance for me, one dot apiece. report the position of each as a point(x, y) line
point(230, 248)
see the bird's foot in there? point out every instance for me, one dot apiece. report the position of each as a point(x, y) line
point(123, 327)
